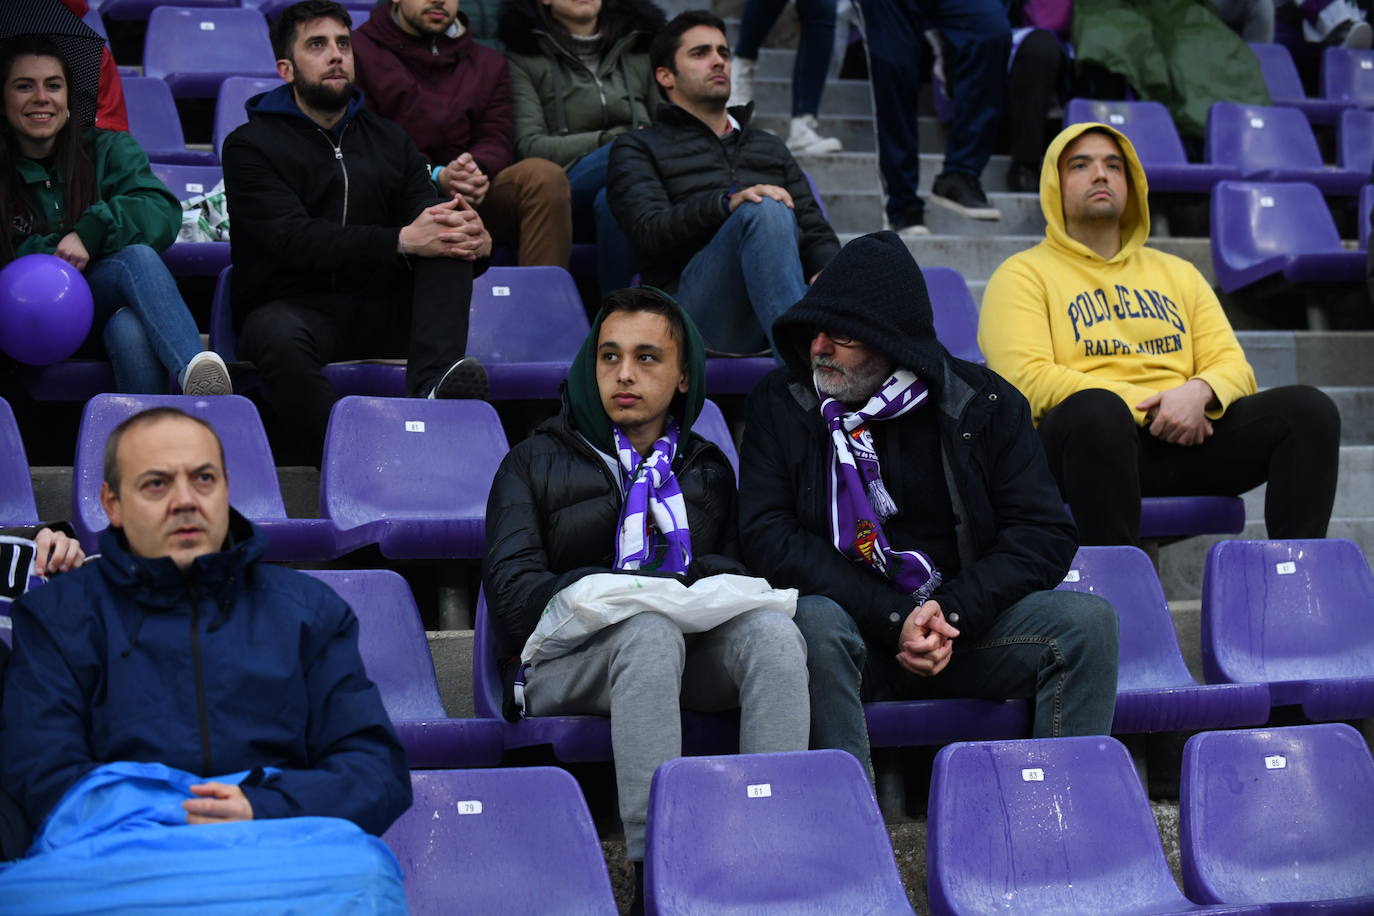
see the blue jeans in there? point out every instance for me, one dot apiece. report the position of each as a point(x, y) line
point(146, 328)
point(593, 220)
point(815, 45)
point(1057, 649)
point(980, 35)
point(746, 276)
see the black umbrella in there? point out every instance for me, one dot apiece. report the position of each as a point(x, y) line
point(79, 43)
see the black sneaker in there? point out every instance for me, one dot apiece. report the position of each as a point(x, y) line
point(964, 195)
point(465, 379)
point(1023, 178)
point(909, 223)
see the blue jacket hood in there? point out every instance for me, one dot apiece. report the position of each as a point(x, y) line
point(282, 101)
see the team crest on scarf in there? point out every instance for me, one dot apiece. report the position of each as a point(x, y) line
point(859, 502)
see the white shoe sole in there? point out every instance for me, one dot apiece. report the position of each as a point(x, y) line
point(988, 213)
point(207, 376)
point(1359, 38)
point(819, 148)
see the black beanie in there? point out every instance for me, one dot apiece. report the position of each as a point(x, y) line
point(874, 292)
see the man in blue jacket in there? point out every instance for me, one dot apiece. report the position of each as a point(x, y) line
point(177, 646)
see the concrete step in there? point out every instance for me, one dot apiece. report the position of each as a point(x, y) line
point(845, 170)
point(1354, 487)
point(773, 95)
point(977, 258)
point(1339, 358)
point(862, 211)
point(1181, 563)
point(1357, 425)
point(854, 131)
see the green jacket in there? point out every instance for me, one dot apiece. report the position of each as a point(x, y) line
point(560, 112)
point(134, 207)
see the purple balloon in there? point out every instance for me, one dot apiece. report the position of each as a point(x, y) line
point(45, 309)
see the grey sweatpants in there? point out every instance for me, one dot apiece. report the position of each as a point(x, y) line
point(643, 671)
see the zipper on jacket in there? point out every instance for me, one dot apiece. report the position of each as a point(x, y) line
point(339, 156)
point(198, 665)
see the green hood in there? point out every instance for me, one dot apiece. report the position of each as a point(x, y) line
point(584, 397)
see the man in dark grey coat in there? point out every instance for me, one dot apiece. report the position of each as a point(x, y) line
point(716, 210)
point(909, 487)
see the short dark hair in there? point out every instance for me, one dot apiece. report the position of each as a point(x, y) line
point(648, 299)
point(663, 49)
point(143, 418)
point(286, 26)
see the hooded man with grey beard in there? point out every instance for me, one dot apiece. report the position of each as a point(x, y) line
point(910, 488)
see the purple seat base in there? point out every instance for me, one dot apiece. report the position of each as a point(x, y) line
point(587, 739)
point(140, 10)
point(1191, 178)
point(72, 380)
point(1189, 707)
point(1330, 181)
point(1326, 267)
point(204, 84)
point(419, 538)
point(433, 744)
point(730, 375)
point(181, 156)
point(196, 259)
point(1318, 111)
point(1327, 699)
point(293, 540)
point(918, 723)
point(1185, 516)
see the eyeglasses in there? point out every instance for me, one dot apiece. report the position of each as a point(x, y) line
point(839, 340)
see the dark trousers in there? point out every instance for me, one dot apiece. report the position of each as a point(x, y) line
point(421, 315)
point(1032, 84)
point(1104, 463)
point(980, 35)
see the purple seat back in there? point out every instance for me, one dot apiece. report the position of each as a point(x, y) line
point(195, 50)
point(956, 317)
point(1363, 214)
point(515, 840)
point(486, 673)
point(233, 93)
point(1279, 815)
point(92, 19)
point(187, 181)
point(1146, 124)
point(1287, 612)
point(1258, 226)
point(1125, 577)
point(16, 485)
point(253, 487)
point(223, 339)
point(1043, 826)
point(1348, 76)
point(711, 425)
point(409, 458)
point(153, 118)
point(1258, 139)
point(391, 640)
point(526, 315)
point(1357, 140)
point(796, 832)
point(140, 10)
point(1280, 73)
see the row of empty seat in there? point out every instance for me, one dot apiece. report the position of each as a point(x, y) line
point(1271, 820)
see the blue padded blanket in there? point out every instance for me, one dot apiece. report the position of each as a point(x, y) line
point(118, 842)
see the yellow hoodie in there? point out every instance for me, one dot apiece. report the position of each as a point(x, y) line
point(1058, 319)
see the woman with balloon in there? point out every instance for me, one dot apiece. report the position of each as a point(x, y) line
point(87, 197)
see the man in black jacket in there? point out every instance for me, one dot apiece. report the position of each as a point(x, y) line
point(910, 487)
point(570, 502)
point(715, 209)
point(341, 247)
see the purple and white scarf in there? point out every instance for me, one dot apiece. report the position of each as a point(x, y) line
point(859, 503)
point(653, 523)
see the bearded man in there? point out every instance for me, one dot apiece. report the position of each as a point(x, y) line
point(910, 488)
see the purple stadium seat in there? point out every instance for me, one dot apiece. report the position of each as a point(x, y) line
point(92, 19)
point(1356, 152)
point(230, 98)
point(411, 475)
point(768, 833)
point(1363, 214)
point(141, 9)
point(1154, 691)
point(195, 50)
point(253, 487)
point(527, 325)
point(928, 723)
point(1268, 229)
point(500, 841)
point(1348, 76)
point(956, 324)
point(16, 485)
point(576, 739)
point(192, 259)
point(69, 380)
point(1279, 817)
point(1058, 825)
point(711, 425)
point(1296, 615)
point(1170, 517)
point(155, 124)
point(1151, 131)
point(392, 642)
point(273, 8)
point(1273, 144)
point(1285, 86)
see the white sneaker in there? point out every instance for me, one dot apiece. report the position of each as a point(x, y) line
point(803, 140)
point(741, 82)
point(206, 375)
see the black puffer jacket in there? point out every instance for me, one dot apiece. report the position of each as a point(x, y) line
point(668, 187)
point(1013, 534)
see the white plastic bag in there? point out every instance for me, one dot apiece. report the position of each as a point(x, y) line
point(595, 602)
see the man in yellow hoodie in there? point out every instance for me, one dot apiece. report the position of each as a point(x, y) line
point(1135, 379)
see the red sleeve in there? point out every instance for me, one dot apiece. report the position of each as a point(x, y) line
point(111, 114)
